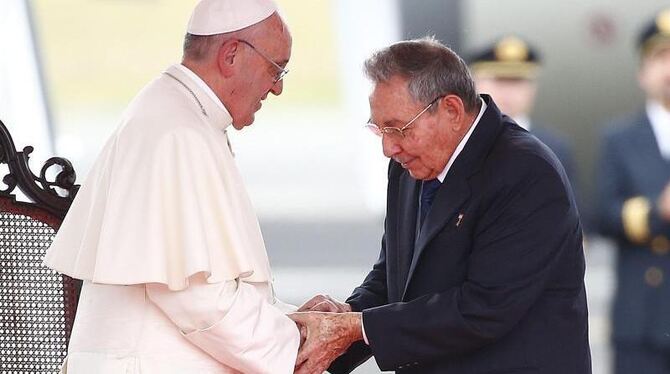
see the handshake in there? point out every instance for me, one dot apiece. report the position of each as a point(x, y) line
point(327, 329)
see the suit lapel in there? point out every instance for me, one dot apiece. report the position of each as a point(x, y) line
point(648, 141)
point(453, 193)
point(449, 198)
point(406, 225)
point(455, 190)
point(649, 150)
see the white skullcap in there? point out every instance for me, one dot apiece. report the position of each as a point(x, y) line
point(212, 17)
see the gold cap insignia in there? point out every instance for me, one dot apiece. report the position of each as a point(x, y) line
point(663, 22)
point(511, 49)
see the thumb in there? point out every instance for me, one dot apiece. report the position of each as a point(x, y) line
point(299, 317)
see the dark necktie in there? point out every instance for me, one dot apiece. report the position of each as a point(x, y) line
point(428, 190)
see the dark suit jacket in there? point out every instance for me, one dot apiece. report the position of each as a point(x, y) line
point(561, 147)
point(494, 283)
point(631, 165)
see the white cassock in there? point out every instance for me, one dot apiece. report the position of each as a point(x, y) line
point(176, 276)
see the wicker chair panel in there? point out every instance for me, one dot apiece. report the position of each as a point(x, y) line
point(37, 305)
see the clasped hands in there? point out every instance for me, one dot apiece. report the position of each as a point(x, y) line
point(327, 329)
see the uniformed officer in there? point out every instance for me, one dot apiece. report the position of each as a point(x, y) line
point(508, 70)
point(634, 209)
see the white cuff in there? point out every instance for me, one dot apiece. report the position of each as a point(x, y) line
point(197, 307)
point(365, 337)
point(249, 334)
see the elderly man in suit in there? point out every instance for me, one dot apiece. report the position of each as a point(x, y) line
point(634, 209)
point(481, 267)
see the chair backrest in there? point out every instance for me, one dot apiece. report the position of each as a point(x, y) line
point(37, 305)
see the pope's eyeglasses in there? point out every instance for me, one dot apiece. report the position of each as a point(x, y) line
point(281, 72)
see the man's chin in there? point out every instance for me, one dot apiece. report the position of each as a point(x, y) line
point(242, 124)
point(418, 174)
point(422, 173)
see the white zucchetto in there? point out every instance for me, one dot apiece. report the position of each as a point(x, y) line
point(212, 17)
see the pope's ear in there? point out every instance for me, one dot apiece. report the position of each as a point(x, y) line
point(227, 55)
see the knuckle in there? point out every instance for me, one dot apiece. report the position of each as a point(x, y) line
point(323, 307)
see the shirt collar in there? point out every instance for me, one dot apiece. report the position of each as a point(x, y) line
point(202, 85)
point(523, 121)
point(659, 117)
point(462, 143)
point(210, 105)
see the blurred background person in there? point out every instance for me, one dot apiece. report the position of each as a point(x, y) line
point(508, 70)
point(634, 209)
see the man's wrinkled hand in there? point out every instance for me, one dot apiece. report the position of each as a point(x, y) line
point(329, 335)
point(324, 303)
point(303, 334)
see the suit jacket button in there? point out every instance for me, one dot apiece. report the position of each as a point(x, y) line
point(660, 245)
point(653, 276)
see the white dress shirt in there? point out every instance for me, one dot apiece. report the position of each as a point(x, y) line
point(523, 121)
point(462, 143)
point(659, 117)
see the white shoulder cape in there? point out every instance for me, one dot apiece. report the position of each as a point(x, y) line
point(164, 200)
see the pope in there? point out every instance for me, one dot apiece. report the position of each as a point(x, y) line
point(176, 278)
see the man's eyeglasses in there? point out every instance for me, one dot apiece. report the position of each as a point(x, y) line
point(395, 131)
point(281, 72)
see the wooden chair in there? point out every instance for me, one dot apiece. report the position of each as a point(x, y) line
point(37, 305)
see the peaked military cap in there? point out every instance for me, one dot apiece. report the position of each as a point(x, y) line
point(508, 57)
point(656, 33)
